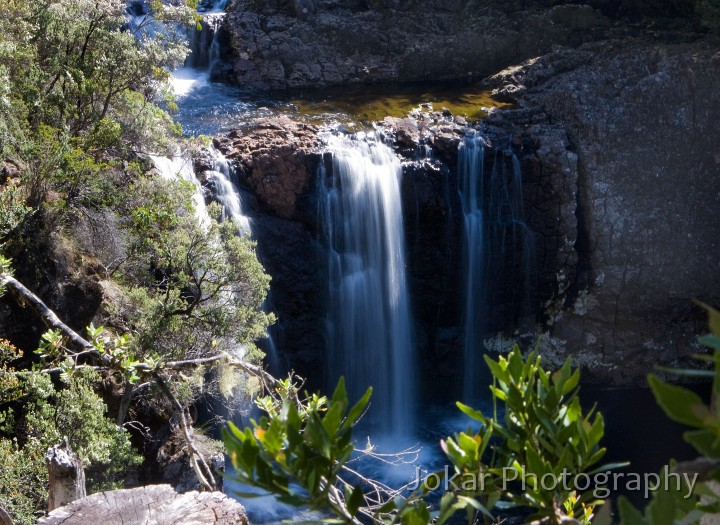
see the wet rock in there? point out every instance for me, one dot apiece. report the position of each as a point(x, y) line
point(278, 161)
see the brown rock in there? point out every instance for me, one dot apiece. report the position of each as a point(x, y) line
point(278, 159)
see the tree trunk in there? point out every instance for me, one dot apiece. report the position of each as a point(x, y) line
point(66, 476)
point(151, 505)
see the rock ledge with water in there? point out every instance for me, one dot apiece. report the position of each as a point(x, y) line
point(278, 158)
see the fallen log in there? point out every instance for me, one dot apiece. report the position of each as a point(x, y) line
point(150, 505)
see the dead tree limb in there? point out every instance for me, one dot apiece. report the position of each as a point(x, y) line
point(5, 518)
point(202, 470)
point(50, 318)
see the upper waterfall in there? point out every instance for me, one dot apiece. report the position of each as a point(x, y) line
point(370, 337)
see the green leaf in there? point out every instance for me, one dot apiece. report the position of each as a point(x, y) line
point(661, 510)
point(680, 404)
point(712, 341)
point(477, 415)
point(713, 318)
point(629, 515)
point(357, 410)
point(340, 394)
point(498, 369)
point(571, 383)
point(705, 441)
point(355, 500)
point(475, 504)
point(609, 466)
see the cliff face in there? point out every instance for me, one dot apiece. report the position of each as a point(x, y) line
point(620, 167)
point(312, 43)
point(642, 120)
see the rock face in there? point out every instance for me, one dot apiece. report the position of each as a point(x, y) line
point(151, 505)
point(312, 43)
point(277, 164)
point(620, 180)
point(278, 161)
point(641, 120)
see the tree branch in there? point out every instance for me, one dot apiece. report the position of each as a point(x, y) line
point(206, 478)
point(50, 318)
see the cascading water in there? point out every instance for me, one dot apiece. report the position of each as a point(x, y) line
point(471, 171)
point(498, 252)
point(369, 324)
point(226, 192)
point(513, 257)
point(204, 50)
point(170, 168)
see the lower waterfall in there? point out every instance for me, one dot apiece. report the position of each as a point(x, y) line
point(369, 333)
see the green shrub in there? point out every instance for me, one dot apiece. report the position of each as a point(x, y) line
point(679, 501)
point(543, 431)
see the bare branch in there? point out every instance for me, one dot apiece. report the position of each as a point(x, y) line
point(200, 466)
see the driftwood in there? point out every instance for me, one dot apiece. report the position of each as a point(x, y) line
point(66, 477)
point(151, 505)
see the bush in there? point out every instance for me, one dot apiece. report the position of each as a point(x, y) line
point(307, 443)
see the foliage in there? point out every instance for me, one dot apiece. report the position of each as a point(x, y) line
point(308, 445)
point(81, 97)
point(45, 416)
point(190, 284)
point(674, 502)
point(13, 211)
point(544, 431)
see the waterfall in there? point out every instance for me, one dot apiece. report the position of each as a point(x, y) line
point(369, 325)
point(471, 171)
point(222, 176)
point(181, 166)
point(498, 262)
point(513, 256)
point(204, 44)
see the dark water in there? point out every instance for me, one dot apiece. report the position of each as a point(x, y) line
point(207, 108)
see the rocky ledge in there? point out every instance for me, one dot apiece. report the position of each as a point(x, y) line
point(278, 159)
point(617, 144)
point(311, 43)
point(642, 120)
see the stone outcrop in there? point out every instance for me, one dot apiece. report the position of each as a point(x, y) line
point(312, 43)
point(641, 119)
point(277, 161)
